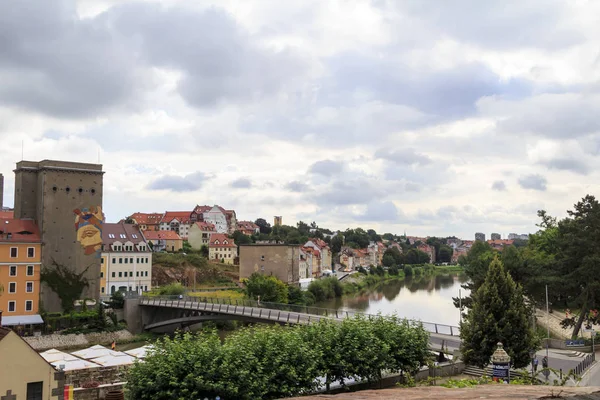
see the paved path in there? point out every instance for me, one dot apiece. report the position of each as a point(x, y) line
point(591, 377)
point(554, 319)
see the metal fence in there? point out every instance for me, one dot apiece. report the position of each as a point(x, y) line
point(289, 308)
point(585, 363)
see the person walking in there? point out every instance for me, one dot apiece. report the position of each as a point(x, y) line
point(535, 364)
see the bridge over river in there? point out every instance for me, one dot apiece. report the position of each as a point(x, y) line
point(169, 312)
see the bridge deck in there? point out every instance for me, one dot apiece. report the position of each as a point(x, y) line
point(268, 313)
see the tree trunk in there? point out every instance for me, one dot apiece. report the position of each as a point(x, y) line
point(582, 314)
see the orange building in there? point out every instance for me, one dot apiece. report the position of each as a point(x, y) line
point(20, 264)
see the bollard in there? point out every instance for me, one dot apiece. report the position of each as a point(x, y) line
point(560, 373)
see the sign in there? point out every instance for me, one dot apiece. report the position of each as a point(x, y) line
point(575, 343)
point(501, 372)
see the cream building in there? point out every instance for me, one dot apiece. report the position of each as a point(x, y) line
point(222, 248)
point(200, 233)
point(24, 374)
point(126, 260)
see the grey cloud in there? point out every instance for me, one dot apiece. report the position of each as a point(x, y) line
point(220, 62)
point(55, 63)
point(500, 186)
point(326, 167)
point(403, 156)
point(241, 183)
point(187, 183)
point(533, 182)
point(347, 192)
point(297, 187)
point(567, 164)
point(384, 211)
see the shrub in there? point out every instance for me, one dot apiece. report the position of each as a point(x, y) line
point(172, 290)
point(408, 270)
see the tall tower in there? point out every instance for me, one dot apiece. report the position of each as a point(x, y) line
point(65, 200)
point(277, 221)
point(1, 191)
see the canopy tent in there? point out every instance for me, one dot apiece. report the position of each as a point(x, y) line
point(95, 352)
point(53, 355)
point(110, 360)
point(70, 365)
point(140, 352)
point(15, 320)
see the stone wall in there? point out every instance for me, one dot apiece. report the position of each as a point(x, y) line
point(58, 341)
point(96, 393)
point(103, 375)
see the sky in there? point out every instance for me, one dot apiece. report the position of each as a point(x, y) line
point(430, 117)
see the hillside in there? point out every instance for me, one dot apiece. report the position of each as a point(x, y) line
point(176, 267)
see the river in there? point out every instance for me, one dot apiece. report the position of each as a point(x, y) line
point(425, 298)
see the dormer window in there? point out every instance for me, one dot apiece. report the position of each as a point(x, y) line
point(123, 236)
point(111, 235)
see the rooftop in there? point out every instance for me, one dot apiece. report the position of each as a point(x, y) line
point(121, 232)
point(221, 240)
point(161, 235)
point(19, 230)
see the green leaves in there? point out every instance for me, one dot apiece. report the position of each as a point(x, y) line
point(269, 288)
point(271, 362)
point(498, 314)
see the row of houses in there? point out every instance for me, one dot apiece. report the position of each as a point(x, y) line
point(181, 222)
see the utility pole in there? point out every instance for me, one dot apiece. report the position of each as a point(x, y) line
point(547, 321)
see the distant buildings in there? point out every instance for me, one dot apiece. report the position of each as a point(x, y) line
point(200, 234)
point(480, 236)
point(147, 221)
point(20, 265)
point(222, 248)
point(225, 221)
point(523, 236)
point(248, 228)
point(279, 260)
point(126, 260)
point(495, 236)
point(176, 221)
point(324, 255)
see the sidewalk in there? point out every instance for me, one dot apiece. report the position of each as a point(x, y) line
point(544, 318)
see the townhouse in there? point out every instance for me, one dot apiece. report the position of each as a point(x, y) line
point(222, 248)
point(176, 221)
point(164, 241)
point(200, 233)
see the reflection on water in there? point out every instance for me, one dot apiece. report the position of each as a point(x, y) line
point(425, 298)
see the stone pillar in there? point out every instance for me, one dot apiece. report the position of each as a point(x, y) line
point(501, 365)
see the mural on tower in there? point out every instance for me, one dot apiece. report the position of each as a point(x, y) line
point(88, 225)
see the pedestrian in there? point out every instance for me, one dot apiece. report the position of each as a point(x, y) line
point(113, 345)
point(545, 362)
point(535, 363)
point(258, 300)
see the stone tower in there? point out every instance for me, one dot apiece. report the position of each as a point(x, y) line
point(1, 191)
point(65, 200)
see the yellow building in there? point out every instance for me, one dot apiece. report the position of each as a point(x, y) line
point(20, 264)
point(24, 374)
point(222, 248)
point(164, 241)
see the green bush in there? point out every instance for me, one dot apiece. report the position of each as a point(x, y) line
point(326, 288)
point(408, 270)
point(172, 289)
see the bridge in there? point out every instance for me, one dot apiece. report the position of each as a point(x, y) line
point(170, 311)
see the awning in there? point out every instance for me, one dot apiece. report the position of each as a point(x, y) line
point(14, 320)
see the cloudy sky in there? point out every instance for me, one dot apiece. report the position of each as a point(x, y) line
point(434, 117)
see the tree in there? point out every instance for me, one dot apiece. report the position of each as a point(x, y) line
point(303, 228)
point(445, 253)
point(476, 264)
point(204, 251)
point(388, 260)
point(336, 243)
point(498, 314)
point(269, 288)
point(264, 226)
point(239, 238)
point(67, 284)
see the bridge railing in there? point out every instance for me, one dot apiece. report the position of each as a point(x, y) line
point(295, 308)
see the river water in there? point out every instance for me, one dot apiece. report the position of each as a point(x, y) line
point(425, 298)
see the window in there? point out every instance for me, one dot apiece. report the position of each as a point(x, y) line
point(120, 260)
point(146, 260)
point(131, 274)
point(146, 273)
point(114, 260)
point(126, 260)
point(145, 288)
point(120, 274)
point(102, 289)
point(133, 235)
point(131, 260)
point(102, 260)
point(30, 270)
point(113, 274)
point(12, 306)
point(111, 235)
point(137, 260)
point(123, 236)
point(29, 287)
point(14, 252)
point(137, 273)
point(12, 287)
point(28, 305)
point(101, 274)
point(35, 390)
point(13, 270)
point(31, 252)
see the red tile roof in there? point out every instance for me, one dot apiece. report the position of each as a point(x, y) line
point(146, 218)
point(505, 242)
point(112, 233)
point(20, 230)
point(206, 226)
point(321, 244)
point(7, 214)
point(181, 216)
point(221, 240)
point(161, 235)
point(247, 225)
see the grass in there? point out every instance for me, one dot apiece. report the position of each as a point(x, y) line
point(221, 294)
point(449, 268)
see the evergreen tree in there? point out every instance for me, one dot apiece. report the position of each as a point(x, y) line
point(498, 314)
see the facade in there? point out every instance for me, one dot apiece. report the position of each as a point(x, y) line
point(500, 244)
point(347, 259)
point(325, 255)
point(65, 201)
point(225, 221)
point(164, 241)
point(20, 265)
point(523, 236)
point(279, 260)
point(495, 236)
point(430, 250)
point(147, 221)
point(480, 236)
point(126, 260)
point(222, 248)
point(24, 374)
point(200, 233)
point(176, 221)
point(277, 220)
point(306, 263)
point(248, 228)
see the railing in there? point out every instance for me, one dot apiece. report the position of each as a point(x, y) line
point(584, 364)
point(289, 308)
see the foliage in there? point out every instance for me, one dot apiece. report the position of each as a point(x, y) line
point(117, 301)
point(187, 247)
point(67, 284)
point(444, 254)
point(172, 289)
point(263, 225)
point(269, 288)
point(297, 296)
point(204, 251)
point(336, 243)
point(416, 256)
point(357, 238)
point(220, 294)
point(498, 314)
point(326, 288)
point(239, 238)
point(408, 271)
point(388, 259)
